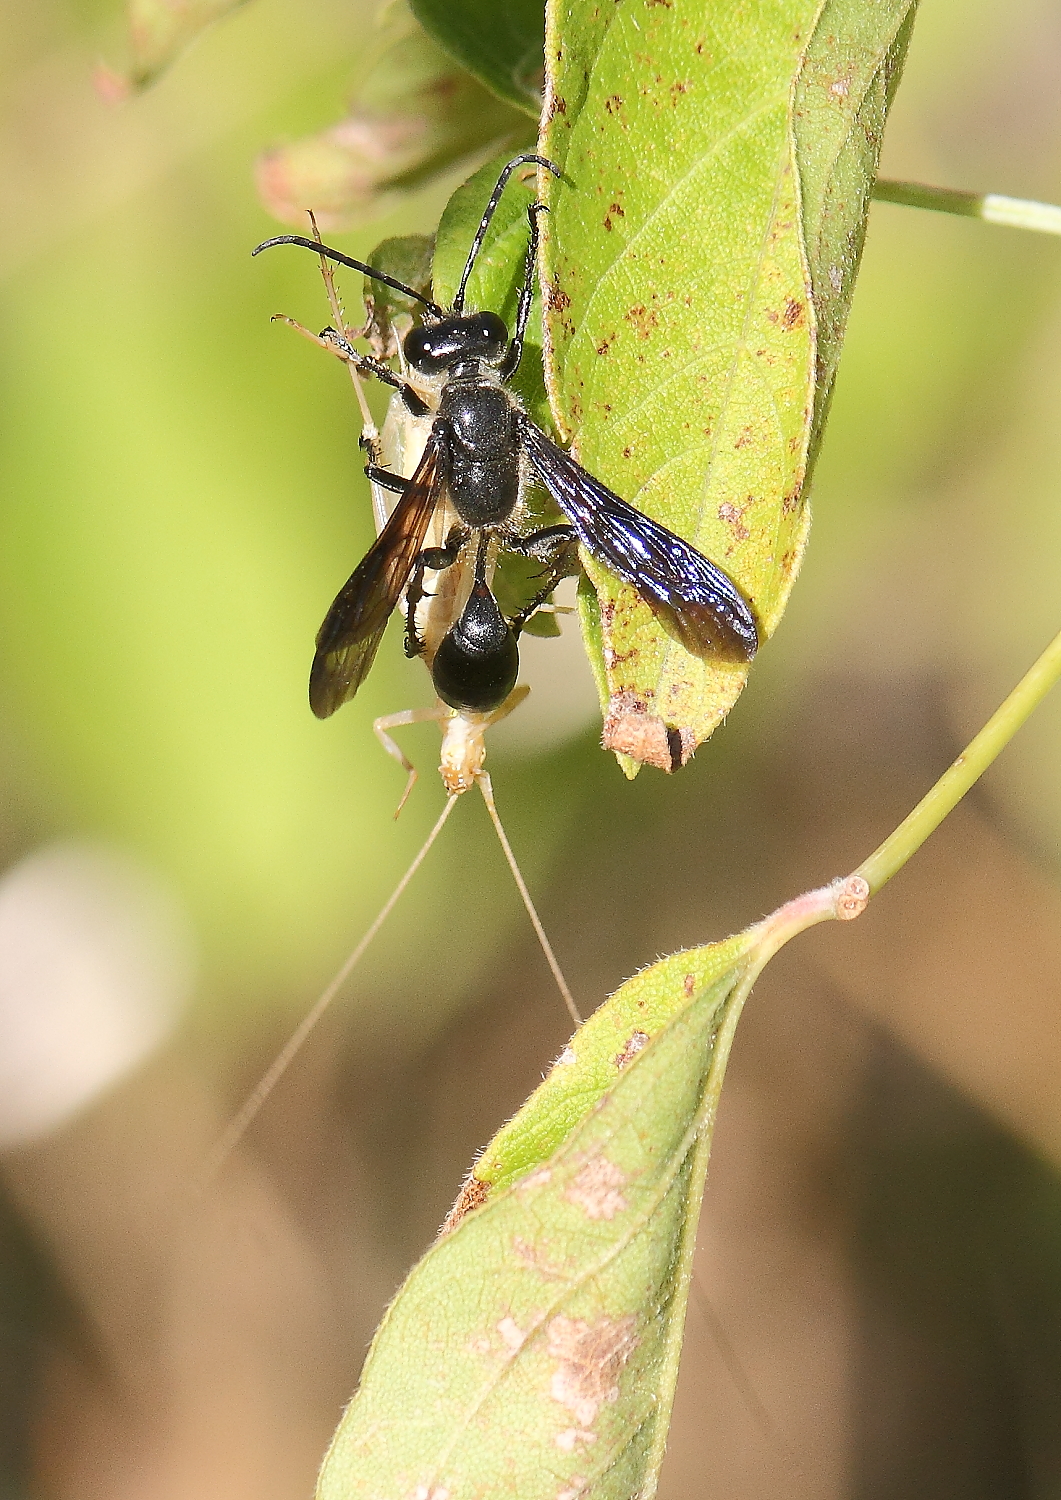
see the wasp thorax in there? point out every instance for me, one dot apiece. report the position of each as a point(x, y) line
point(481, 418)
point(476, 666)
point(438, 347)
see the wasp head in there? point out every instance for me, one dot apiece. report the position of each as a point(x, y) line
point(438, 347)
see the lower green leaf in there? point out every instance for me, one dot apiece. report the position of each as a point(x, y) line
point(533, 1351)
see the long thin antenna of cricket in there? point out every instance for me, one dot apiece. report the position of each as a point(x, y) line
point(335, 303)
point(487, 789)
point(734, 1368)
point(742, 1381)
point(244, 1116)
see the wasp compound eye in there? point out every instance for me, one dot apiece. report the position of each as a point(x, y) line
point(423, 352)
point(488, 330)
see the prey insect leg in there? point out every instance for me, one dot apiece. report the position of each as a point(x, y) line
point(380, 727)
point(336, 344)
point(335, 303)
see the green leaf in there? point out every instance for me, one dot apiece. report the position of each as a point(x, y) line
point(389, 314)
point(681, 331)
point(599, 1051)
point(500, 44)
point(500, 265)
point(533, 1352)
point(841, 101)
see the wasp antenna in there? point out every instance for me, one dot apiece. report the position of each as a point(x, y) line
point(487, 789)
point(488, 213)
point(245, 1115)
point(357, 265)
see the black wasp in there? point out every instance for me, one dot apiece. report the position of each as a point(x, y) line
point(480, 450)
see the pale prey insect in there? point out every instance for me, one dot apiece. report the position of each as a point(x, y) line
point(480, 450)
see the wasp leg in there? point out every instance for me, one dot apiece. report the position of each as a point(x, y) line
point(386, 479)
point(341, 347)
point(547, 544)
point(526, 295)
point(379, 478)
point(556, 547)
point(365, 362)
point(435, 559)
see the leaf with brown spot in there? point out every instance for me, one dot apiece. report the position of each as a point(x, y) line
point(597, 1189)
point(840, 105)
point(533, 1351)
point(703, 297)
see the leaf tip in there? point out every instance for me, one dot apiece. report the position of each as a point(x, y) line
point(473, 1194)
point(631, 731)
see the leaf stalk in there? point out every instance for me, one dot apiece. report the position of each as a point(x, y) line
point(993, 208)
point(970, 765)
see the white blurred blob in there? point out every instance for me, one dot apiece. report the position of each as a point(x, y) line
point(96, 963)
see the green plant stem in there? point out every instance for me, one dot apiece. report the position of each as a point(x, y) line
point(974, 760)
point(995, 208)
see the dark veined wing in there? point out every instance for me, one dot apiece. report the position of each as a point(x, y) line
point(354, 626)
point(703, 607)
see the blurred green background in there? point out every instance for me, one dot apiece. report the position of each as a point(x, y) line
point(182, 496)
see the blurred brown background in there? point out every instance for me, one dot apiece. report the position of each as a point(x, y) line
point(880, 1313)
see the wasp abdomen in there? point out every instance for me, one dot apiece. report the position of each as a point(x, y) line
point(476, 666)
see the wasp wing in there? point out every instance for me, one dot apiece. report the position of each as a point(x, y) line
point(354, 626)
point(703, 607)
